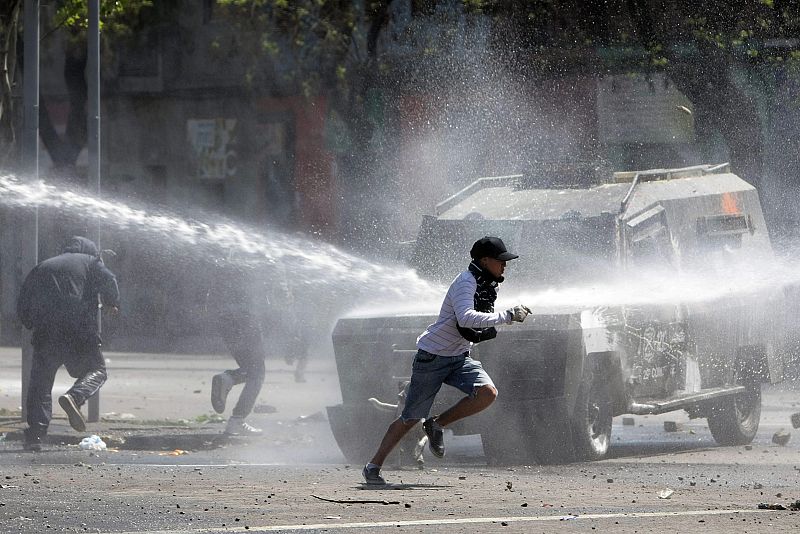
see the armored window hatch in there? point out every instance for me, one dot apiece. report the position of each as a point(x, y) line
point(722, 225)
point(720, 232)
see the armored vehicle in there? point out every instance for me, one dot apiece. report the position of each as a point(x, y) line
point(661, 323)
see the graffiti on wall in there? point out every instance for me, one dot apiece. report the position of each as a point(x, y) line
point(213, 147)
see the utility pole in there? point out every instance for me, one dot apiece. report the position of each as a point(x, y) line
point(30, 162)
point(93, 145)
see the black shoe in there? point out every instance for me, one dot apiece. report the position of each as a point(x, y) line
point(435, 435)
point(372, 476)
point(76, 420)
point(221, 385)
point(33, 441)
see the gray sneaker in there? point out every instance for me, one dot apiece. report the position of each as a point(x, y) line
point(372, 476)
point(76, 420)
point(237, 427)
point(221, 385)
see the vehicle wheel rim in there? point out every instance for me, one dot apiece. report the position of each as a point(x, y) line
point(745, 404)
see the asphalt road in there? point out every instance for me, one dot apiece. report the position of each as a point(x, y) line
point(295, 479)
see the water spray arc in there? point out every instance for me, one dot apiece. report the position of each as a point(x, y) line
point(313, 262)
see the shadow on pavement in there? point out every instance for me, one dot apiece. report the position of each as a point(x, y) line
point(390, 486)
point(646, 449)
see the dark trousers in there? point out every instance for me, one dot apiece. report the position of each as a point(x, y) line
point(84, 361)
point(246, 344)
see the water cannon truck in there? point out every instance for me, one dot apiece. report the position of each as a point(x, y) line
point(564, 373)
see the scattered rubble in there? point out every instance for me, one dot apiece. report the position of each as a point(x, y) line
point(176, 452)
point(781, 437)
point(794, 506)
point(355, 501)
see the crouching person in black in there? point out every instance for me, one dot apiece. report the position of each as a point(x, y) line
point(59, 302)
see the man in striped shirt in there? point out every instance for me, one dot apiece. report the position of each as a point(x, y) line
point(467, 316)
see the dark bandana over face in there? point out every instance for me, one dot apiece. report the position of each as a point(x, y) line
point(485, 295)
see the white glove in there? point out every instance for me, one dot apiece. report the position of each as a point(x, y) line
point(518, 313)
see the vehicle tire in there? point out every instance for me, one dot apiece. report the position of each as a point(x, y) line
point(591, 420)
point(733, 420)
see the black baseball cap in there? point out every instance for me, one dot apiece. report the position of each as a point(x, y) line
point(492, 247)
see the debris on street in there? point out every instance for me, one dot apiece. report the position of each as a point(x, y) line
point(355, 501)
point(92, 443)
point(795, 420)
point(781, 437)
point(665, 493)
point(176, 452)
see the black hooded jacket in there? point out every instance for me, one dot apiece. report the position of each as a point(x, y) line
point(59, 295)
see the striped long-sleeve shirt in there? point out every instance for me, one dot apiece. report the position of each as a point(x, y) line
point(458, 308)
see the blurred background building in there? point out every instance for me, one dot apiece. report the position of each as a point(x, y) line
point(282, 123)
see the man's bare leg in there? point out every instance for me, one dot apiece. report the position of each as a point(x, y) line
point(484, 397)
point(393, 435)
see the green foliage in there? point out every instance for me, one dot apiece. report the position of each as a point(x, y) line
point(209, 418)
point(738, 29)
point(201, 419)
point(117, 17)
point(306, 43)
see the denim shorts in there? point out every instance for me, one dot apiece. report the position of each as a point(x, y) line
point(431, 371)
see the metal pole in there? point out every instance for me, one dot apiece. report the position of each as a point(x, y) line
point(30, 162)
point(93, 145)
